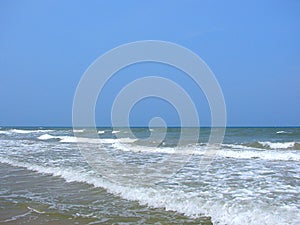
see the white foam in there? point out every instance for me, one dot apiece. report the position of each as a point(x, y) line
point(191, 204)
point(126, 140)
point(283, 132)
point(4, 132)
point(35, 210)
point(265, 155)
point(109, 140)
point(277, 145)
point(28, 131)
point(22, 131)
point(46, 137)
point(101, 132)
point(237, 146)
point(293, 155)
point(115, 132)
point(140, 148)
point(78, 131)
point(65, 139)
point(72, 139)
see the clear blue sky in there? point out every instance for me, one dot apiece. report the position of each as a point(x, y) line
point(252, 47)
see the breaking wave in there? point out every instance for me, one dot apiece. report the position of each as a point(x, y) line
point(191, 204)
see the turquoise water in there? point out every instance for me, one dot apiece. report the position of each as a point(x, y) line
point(252, 179)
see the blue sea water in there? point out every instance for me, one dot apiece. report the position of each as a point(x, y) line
point(252, 179)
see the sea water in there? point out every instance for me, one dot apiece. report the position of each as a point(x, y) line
point(254, 178)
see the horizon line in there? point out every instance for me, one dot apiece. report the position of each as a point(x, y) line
point(87, 127)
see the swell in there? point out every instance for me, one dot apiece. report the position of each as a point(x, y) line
point(255, 150)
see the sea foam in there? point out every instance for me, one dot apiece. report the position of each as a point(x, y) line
point(283, 132)
point(28, 131)
point(278, 145)
point(191, 204)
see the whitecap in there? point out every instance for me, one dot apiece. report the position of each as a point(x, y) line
point(265, 155)
point(47, 137)
point(237, 146)
point(283, 132)
point(18, 131)
point(78, 131)
point(277, 145)
point(202, 150)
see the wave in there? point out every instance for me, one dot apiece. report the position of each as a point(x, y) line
point(239, 152)
point(262, 150)
point(265, 155)
point(18, 131)
point(277, 145)
point(267, 150)
point(72, 139)
point(226, 150)
point(28, 131)
point(66, 139)
point(227, 153)
point(47, 137)
point(78, 131)
point(22, 131)
point(145, 149)
point(265, 145)
point(191, 204)
point(238, 146)
point(283, 132)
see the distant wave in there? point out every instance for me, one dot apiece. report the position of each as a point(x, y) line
point(147, 149)
point(273, 151)
point(29, 131)
point(72, 139)
point(18, 131)
point(265, 155)
point(278, 145)
point(4, 132)
point(23, 131)
point(47, 137)
point(241, 153)
point(283, 132)
point(267, 145)
point(78, 131)
point(236, 151)
point(68, 139)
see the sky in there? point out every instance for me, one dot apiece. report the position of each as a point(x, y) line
point(252, 47)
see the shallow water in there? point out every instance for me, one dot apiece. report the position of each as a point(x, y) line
point(254, 178)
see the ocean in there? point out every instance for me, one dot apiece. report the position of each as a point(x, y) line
point(253, 178)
